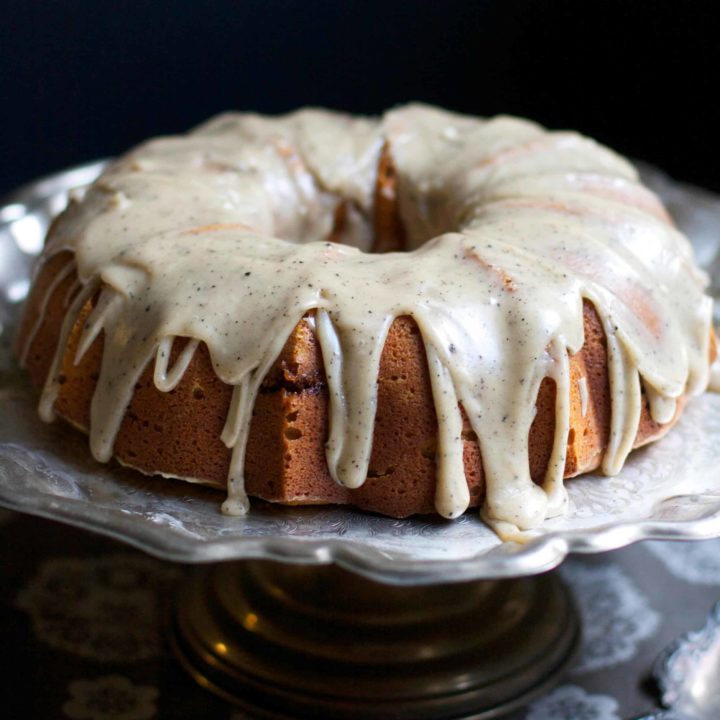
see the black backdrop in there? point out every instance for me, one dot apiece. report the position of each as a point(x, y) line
point(81, 79)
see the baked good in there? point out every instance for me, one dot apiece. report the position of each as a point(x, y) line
point(420, 312)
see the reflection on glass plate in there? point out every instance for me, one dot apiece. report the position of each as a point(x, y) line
point(668, 490)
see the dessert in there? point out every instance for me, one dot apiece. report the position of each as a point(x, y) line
point(421, 312)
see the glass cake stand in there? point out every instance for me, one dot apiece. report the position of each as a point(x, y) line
point(326, 612)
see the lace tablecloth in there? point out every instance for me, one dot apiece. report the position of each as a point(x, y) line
point(82, 622)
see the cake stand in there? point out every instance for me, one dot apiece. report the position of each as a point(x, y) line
point(325, 612)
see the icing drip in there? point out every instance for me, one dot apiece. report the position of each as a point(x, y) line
point(625, 393)
point(452, 496)
point(553, 484)
point(234, 435)
point(164, 379)
point(352, 361)
point(63, 273)
point(108, 302)
point(220, 237)
point(52, 382)
point(583, 391)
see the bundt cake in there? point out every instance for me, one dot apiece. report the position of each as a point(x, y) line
point(421, 312)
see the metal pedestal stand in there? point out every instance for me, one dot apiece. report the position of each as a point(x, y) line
point(292, 641)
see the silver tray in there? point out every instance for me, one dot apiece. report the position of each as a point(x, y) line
point(670, 490)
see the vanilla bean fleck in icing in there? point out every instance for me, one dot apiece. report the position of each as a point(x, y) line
point(220, 236)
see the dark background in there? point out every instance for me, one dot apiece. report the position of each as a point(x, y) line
point(81, 79)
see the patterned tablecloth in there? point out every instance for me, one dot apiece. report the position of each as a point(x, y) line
point(81, 619)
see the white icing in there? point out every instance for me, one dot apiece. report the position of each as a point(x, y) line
point(219, 237)
point(583, 393)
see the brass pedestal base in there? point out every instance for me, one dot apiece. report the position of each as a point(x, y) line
point(291, 641)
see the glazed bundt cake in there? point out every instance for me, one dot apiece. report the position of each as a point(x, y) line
point(421, 312)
